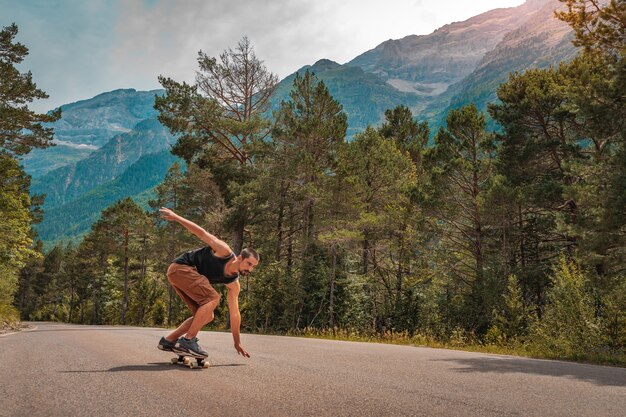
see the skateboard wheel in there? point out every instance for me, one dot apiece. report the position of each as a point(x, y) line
point(205, 364)
point(173, 361)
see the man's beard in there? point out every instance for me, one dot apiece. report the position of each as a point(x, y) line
point(244, 272)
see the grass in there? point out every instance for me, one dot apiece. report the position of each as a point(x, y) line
point(461, 341)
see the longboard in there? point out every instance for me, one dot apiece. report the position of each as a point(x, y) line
point(191, 361)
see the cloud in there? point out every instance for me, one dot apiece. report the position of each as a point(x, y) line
point(165, 36)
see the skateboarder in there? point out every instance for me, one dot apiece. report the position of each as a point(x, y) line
point(192, 275)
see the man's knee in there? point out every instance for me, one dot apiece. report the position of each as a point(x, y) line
point(215, 298)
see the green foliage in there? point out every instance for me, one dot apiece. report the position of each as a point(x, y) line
point(613, 315)
point(16, 238)
point(598, 25)
point(461, 171)
point(569, 327)
point(21, 131)
point(21, 128)
point(512, 319)
point(410, 136)
point(219, 119)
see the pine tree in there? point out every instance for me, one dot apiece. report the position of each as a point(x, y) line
point(461, 165)
point(125, 232)
point(219, 118)
point(21, 129)
point(309, 132)
point(310, 128)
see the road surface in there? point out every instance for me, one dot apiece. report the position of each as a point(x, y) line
point(71, 370)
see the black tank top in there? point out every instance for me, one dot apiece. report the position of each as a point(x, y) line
point(209, 265)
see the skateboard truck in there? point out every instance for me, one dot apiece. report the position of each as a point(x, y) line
point(191, 361)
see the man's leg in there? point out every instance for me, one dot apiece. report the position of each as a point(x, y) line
point(180, 330)
point(201, 298)
point(204, 315)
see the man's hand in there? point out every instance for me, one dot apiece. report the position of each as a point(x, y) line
point(168, 214)
point(240, 350)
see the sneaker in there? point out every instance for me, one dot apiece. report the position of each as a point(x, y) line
point(190, 347)
point(165, 344)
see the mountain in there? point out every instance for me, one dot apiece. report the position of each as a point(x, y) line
point(457, 64)
point(540, 42)
point(41, 161)
point(364, 96)
point(465, 62)
point(427, 65)
point(70, 220)
point(87, 125)
point(64, 184)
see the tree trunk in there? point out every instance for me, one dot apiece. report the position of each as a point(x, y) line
point(399, 272)
point(308, 212)
point(69, 319)
point(521, 236)
point(279, 225)
point(366, 255)
point(125, 298)
point(238, 237)
point(290, 242)
point(331, 302)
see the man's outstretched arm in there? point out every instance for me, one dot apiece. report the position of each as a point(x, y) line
point(235, 316)
point(220, 248)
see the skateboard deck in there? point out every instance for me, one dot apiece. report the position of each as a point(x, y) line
point(190, 361)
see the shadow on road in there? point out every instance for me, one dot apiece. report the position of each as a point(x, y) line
point(599, 375)
point(154, 366)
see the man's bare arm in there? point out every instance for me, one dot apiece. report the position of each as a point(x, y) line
point(235, 316)
point(220, 248)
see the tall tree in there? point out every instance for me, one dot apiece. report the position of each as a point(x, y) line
point(596, 81)
point(309, 130)
point(219, 117)
point(125, 230)
point(21, 129)
point(462, 168)
point(538, 145)
point(412, 138)
point(15, 232)
point(379, 177)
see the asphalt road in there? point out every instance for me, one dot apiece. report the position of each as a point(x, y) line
point(70, 370)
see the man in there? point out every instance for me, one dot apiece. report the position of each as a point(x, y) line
point(191, 276)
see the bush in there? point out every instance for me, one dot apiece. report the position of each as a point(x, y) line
point(569, 327)
point(9, 317)
point(512, 319)
point(614, 316)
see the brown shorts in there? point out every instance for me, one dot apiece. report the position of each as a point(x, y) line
point(193, 287)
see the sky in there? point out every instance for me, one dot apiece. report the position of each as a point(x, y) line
point(80, 48)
